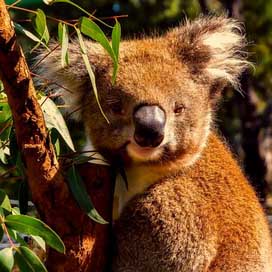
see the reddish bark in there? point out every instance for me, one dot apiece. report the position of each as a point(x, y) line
point(86, 242)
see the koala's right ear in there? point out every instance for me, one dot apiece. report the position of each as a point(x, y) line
point(72, 82)
point(212, 46)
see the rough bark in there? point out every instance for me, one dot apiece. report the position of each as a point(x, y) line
point(86, 242)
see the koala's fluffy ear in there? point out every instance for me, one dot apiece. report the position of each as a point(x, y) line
point(72, 82)
point(212, 46)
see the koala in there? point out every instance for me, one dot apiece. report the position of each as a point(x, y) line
point(188, 206)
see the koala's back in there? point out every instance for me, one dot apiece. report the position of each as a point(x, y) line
point(206, 218)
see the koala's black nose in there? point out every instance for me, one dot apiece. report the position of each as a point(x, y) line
point(149, 122)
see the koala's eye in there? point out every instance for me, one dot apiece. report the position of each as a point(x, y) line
point(117, 108)
point(179, 109)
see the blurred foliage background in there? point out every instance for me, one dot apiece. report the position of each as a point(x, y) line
point(245, 119)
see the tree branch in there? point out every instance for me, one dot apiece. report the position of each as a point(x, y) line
point(84, 239)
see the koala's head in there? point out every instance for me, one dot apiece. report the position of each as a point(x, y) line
point(160, 108)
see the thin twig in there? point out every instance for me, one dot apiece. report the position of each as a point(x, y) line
point(51, 82)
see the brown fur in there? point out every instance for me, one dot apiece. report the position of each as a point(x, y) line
point(188, 207)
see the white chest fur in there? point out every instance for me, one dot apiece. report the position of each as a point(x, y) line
point(139, 179)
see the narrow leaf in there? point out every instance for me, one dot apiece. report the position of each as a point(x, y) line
point(30, 35)
point(39, 241)
point(54, 119)
point(27, 260)
point(3, 158)
point(90, 71)
point(33, 226)
point(4, 201)
point(16, 237)
point(79, 192)
point(6, 260)
point(5, 112)
point(63, 36)
point(40, 25)
point(92, 30)
point(116, 36)
point(54, 134)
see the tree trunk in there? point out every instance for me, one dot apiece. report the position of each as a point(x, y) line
point(86, 242)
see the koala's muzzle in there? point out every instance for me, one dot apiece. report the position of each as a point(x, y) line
point(149, 122)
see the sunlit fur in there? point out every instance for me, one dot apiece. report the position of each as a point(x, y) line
point(188, 207)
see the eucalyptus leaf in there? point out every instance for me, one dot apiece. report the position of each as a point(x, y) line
point(16, 237)
point(6, 260)
point(3, 158)
point(5, 112)
point(92, 30)
point(55, 140)
point(4, 201)
point(80, 194)
point(90, 70)
point(28, 261)
point(63, 36)
point(54, 119)
point(39, 240)
point(115, 41)
point(33, 226)
point(28, 34)
point(40, 26)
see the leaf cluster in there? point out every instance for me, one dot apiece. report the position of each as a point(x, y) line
point(18, 253)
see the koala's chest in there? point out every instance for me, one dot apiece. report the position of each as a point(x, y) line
point(139, 179)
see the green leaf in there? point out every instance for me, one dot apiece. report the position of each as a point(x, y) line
point(90, 71)
point(55, 140)
point(40, 25)
point(16, 237)
point(63, 36)
point(4, 201)
point(15, 210)
point(54, 119)
point(116, 36)
point(5, 121)
point(80, 194)
point(6, 260)
point(1, 86)
point(3, 158)
point(28, 261)
point(5, 112)
point(30, 35)
point(92, 30)
point(39, 241)
point(33, 226)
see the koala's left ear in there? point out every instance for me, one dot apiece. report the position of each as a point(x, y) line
point(212, 46)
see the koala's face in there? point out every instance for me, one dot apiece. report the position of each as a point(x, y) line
point(160, 106)
point(157, 109)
